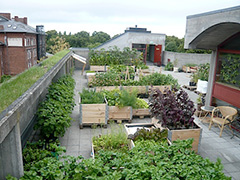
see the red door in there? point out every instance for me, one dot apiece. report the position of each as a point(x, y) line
point(157, 54)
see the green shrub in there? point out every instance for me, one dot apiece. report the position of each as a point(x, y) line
point(53, 115)
point(5, 78)
point(121, 98)
point(91, 97)
point(169, 66)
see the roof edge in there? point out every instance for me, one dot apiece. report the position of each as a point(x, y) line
point(214, 12)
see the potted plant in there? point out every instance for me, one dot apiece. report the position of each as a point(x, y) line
point(175, 111)
point(93, 108)
point(120, 104)
point(175, 63)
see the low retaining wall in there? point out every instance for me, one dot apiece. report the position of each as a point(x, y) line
point(185, 58)
point(17, 120)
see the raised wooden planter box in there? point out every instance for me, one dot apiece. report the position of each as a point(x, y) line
point(132, 128)
point(119, 114)
point(186, 69)
point(91, 114)
point(141, 112)
point(98, 68)
point(90, 78)
point(184, 134)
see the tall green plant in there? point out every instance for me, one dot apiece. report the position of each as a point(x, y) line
point(53, 114)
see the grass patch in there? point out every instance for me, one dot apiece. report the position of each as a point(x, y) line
point(15, 87)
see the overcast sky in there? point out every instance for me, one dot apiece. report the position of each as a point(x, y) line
point(111, 16)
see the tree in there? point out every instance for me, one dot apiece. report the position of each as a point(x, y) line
point(50, 34)
point(99, 37)
point(59, 44)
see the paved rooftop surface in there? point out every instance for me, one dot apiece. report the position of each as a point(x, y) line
point(227, 148)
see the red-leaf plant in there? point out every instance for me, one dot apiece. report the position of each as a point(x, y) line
point(174, 109)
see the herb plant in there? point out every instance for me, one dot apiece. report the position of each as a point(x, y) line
point(91, 97)
point(121, 98)
point(174, 109)
point(116, 140)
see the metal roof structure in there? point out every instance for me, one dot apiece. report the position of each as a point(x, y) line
point(7, 25)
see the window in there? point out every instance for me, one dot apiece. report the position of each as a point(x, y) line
point(15, 42)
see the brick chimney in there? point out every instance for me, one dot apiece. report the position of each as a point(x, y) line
point(6, 15)
point(23, 20)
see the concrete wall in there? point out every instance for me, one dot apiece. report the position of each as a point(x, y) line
point(129, 38)
point(17, 120)
point(185, 58)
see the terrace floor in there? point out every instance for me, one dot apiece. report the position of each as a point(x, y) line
point(227, 148)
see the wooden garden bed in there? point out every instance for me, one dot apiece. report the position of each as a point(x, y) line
point(141, 113)
point(184, 134)
point(98, 68)
point(92, 114)
point(119, 114)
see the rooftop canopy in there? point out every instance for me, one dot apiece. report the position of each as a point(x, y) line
point(208, 30)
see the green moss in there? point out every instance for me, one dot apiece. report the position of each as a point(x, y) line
point(16, 86)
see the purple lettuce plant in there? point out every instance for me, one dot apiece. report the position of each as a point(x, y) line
point(173, 108)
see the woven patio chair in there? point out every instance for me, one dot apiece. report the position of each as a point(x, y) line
point(223, 116)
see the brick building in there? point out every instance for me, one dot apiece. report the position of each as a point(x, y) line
point(20, 44)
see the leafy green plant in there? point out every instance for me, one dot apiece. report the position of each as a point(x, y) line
point(155, 134)
point(141, 104)
point(114, 56)
point(230, 69)
point(114, 79)
point(147, 160)
point(36, 151)
point(202, 73)
point(121, 98)
point(116, 140)
point(169, 66)
point(91, 97)
point(53, 114)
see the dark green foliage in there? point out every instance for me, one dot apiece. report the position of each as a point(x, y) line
point(5, 78)
point(175, 44)
point(121, 98)
point(191, 65)
point(114, 56)
point(53, 114)
point(155, 134)
point(34, 152)
point(91, 97)
point(230, 69)
point(147, 160)
point(169, 66)
point(113, 79)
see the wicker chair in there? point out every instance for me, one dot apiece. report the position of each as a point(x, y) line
point(223, 116)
